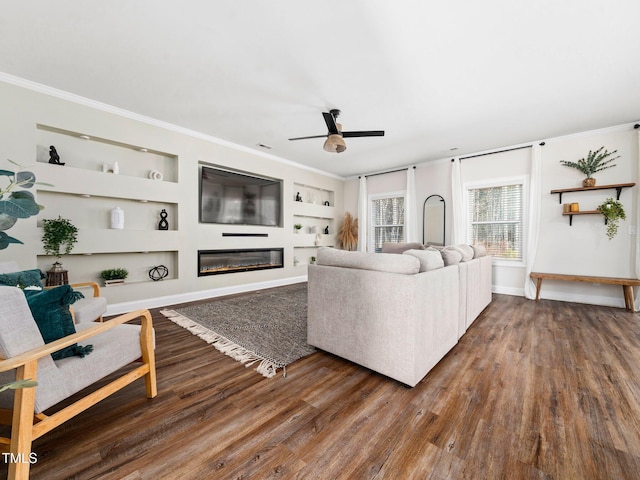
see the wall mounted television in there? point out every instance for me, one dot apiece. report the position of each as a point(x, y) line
point(238, 198)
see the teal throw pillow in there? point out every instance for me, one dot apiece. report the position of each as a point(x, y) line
point(25, 278)
point(50, 310)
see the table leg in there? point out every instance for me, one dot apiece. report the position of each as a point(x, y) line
point(538, 285)
point(628, 298)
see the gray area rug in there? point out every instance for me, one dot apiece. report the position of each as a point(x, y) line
point(265, 327)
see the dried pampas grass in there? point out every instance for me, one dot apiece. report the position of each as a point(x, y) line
point(348, 234)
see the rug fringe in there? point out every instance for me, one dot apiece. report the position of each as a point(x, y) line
point(266, 367)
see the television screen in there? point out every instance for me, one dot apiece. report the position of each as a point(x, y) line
point(229, 197)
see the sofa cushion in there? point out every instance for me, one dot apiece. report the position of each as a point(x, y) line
point(429, 259)
point(24, 278)
point(381, 262)
point(395, 247)
point(50, 310)
point(479, 251)
point(465, 250)
point(451, 256)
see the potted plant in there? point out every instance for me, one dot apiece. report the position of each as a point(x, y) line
point(297, 227)
point(16, 202)
point(114, 276)
point(593, 163)
point(313, 260)
point(613, 212)
point(59, 236)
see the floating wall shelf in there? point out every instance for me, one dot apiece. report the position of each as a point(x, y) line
point(617, 186)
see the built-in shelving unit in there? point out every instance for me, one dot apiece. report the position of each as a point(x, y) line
point(314, 209)
point(616, 186)
point(98, 175)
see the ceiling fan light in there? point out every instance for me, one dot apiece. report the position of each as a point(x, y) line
point(334, 144)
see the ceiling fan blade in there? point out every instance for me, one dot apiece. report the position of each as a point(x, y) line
point(330, 120)
point(304, 138)
point(366, 133)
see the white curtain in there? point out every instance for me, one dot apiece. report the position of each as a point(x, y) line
point(457, 205)
point(533, 223)
point(362, 215)
point(637, 236)
point(410, 208)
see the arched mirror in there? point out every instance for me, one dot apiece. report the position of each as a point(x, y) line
point(433, 220)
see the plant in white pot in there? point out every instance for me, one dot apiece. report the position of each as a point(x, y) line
point(613, 212)
point(114, 276)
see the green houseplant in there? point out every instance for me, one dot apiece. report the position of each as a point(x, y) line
point(114, 276)
point(613, 212)
point(594, 162)
point(59, 236)
point(297, 227)
point(16, 202)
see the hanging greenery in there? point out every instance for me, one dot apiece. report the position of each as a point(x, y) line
point(613, 211)
point(59, 236)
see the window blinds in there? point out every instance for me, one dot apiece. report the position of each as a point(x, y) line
point(387, 221)
point(495, 220)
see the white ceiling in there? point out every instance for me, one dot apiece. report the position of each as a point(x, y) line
point(435, 75)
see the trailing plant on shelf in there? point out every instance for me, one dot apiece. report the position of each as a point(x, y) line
point(16, 202)
point(613, 212)
point(593, 163)
point(59, 236)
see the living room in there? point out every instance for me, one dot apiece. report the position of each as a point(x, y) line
point(117, 154)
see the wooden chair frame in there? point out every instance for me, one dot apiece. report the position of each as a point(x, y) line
point(27, 427)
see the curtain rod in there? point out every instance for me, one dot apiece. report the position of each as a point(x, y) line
point(497, 151)
point(384, 173)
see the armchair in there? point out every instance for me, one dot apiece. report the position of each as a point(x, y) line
point(24, 355)
point(88, 309)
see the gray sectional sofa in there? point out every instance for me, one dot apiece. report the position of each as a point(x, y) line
point(397, 314)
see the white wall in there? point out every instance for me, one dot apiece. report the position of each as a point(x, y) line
point(24, 109)
point(580, 249)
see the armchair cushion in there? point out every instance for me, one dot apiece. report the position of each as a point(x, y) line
point(24, 278)
point(50, 310)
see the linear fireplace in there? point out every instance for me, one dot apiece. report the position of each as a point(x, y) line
point(215, 262)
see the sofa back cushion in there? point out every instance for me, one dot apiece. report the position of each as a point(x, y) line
point(395, 247)
point(381, 262)
point(429, 259)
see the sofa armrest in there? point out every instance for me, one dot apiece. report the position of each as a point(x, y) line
point(146, 339)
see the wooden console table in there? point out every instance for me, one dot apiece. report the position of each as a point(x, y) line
point(627, 284)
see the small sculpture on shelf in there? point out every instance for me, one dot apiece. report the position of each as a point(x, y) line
point(298, 197)
point(326, 230)
point(163, 224)
point(326, 203)
point(158, 273)
point(53, 156)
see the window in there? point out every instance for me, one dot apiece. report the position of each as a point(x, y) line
point(387, 220)
point(494, 218)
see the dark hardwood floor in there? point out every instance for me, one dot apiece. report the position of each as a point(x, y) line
point(545, 390)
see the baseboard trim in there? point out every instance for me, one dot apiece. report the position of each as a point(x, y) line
point(548, 294)
point(118, 308)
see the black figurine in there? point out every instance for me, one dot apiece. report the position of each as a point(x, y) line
point(326, 229)
point(53, 156)
point(163, 225)
point(326, 204)
point(298, 197)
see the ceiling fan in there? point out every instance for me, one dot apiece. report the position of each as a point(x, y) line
point(335, 136)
